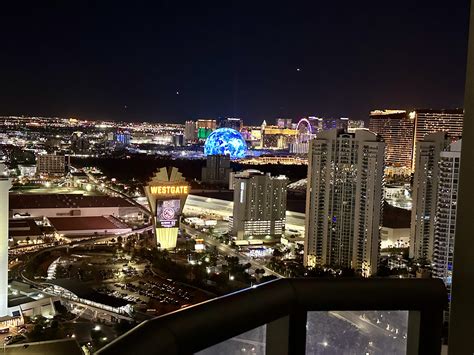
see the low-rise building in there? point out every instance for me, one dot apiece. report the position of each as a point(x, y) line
point(62, 205)
point(22, 231)
point(87, 226)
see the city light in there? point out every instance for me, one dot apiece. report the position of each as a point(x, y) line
point(156, 190)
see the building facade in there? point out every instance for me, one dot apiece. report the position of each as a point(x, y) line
point(217, 170)
point(51, 164)
point(344, 200)
point(231, 122)
point(63, 205)
point(259, 205)
point(79, 143)
point(204, 128)
point(284, 123)
point(430, 121)
point(274, 137)
point(397, 130)
point(401, 130)
point(308, 127)
point(190, 131)
point(445, 229)
point(425, 190)
point(5, 185)
point(354, 125)
point(206, 123)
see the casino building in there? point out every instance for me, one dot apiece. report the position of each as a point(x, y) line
point(166, 192)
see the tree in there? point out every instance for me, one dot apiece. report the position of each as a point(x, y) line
point(347, 272)
point(259, 273)
point(277, 253)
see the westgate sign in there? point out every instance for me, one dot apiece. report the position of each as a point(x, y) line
point(169, 189)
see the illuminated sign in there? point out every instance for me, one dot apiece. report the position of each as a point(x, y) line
point(167, 213)
point(169, 190)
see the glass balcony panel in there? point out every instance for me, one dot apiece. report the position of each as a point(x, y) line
point(357, 332)
point(249, 343)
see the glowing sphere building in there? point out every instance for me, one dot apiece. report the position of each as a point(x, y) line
point(226, 141)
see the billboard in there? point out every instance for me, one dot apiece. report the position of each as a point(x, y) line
point(203, 133)
point(167, 213)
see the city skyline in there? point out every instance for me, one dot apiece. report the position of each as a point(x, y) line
point(266, 177)
point(172, 63)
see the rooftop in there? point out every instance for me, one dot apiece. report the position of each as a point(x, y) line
point(20, 201)
point(81, 290)
point(23, 227)
point(86, 223)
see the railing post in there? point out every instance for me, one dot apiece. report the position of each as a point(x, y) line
point(431, 329)
point(413, 333)
point(287, 335)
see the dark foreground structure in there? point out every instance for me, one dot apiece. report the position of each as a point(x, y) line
point(283, 305)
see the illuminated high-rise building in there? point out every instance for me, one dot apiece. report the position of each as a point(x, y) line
point(204, 128)
point(277, 138)
point(217, 170)
point(284, 122)
point(206, 123)
point(122, 137)
point(231, 122)
point(79, 143)
point(344, 200)
point(354, 125)
point(326, 124)
point(397, 130)
point(190, 131)
point(425, 191)
point(401, 130)
point(430, 121)
point(259, 205)
point(309, 127)
point(446, 211)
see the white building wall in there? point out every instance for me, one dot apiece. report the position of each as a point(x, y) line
point(5, 185)
point(446, 212)
point(259, 205)
point(63, 212)
point(425, 190)
point(394, 237)
point(89, 232)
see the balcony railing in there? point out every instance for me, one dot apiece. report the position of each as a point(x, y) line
point(283, 305)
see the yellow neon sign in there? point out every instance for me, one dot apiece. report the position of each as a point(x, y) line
point(170, 190)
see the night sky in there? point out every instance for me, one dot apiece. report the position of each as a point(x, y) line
point(168, 61)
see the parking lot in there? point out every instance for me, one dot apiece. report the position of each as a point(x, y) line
point(150, 294)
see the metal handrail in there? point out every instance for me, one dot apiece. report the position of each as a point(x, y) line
point(198, 327)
